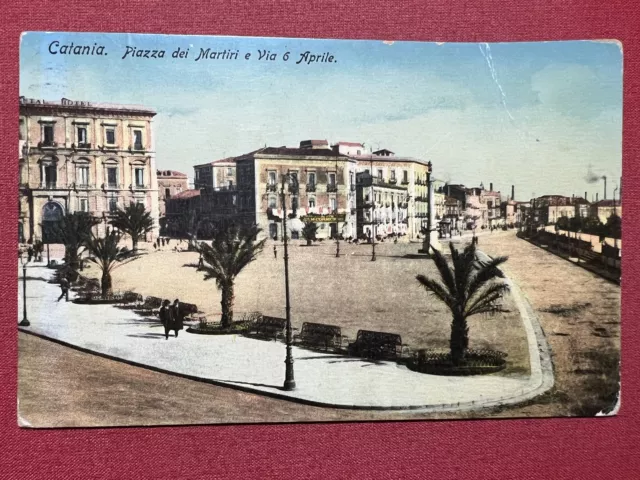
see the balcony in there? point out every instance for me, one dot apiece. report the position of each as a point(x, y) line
point(47, 144)
point(51, 186)
point(82, 186)
point(112, 186)
point(272, 187)
point(404, 182)
point(138, 186)
point(81, 146)
point(138, 147)
point(293, 189)
point(332, 188)
point(392, 181)
point(311, 187)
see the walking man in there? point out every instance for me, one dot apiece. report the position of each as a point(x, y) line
point(200, 262)
point(165, 318)
point(30, 253)
point(64, 286)
point(275, 252)
point(176, 317)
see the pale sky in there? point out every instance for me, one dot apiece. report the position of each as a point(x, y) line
point(544, 116)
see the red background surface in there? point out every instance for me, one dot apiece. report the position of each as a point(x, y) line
point(536, 448)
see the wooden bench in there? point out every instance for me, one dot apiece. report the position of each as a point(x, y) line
point(376, 345)
point(319, 335)
point(266, 326)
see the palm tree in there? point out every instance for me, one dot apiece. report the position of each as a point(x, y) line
point(133, 220)
point(467, 288)
point(106, 254)
point(231, 250)
point(74, 229)
point(309, 231)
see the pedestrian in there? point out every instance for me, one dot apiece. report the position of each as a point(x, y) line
point(165, 317)
point(29, 253)
point(64, 287)
point(176, 317)
point(275, 252)
point(200, 262)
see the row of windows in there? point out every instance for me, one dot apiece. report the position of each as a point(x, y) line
point(294, 202)
point(82, 137)
point(112, 204)
point(49, 176)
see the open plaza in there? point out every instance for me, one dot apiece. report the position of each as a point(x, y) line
point(555, 335)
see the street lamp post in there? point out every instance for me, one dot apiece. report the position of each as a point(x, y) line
point(289, 382)
point(25, 321)
point(373, 211)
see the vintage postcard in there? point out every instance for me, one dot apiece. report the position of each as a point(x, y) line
point(244, 230)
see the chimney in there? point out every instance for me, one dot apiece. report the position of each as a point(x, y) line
point(513, 192)
point(585, 196)
point(596, 197)
point(605, 188)
point(491, 187)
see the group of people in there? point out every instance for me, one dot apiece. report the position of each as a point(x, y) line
point(171, 317)
point(160, 242)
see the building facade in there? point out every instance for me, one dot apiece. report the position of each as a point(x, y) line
point(217, 174)
point(170, 183)
point(603, 209)
point(83, 156)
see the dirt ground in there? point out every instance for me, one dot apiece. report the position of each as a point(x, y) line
point(351, 291)
point(579, 312)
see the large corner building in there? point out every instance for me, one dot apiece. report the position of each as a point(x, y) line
point(83, 156)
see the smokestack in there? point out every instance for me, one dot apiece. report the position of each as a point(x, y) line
point(596, 197)
point(491, 187)
point(513, 192)
point(605, 188)
point(585, 196)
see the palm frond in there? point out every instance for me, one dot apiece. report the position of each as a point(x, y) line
point(438, 289)
point(485, 272)
point(446, 273)
point(485, 300)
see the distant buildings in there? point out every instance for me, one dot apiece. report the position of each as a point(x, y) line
point(170, 183)
point(217, 174)
point(86, 157)
point(605, 208)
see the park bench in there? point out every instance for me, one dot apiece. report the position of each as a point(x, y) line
point(266, 326)
point(376, 345)
point(150, 304)
point(319, 335)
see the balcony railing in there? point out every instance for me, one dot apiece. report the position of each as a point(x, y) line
point(81, 146)
point(136, 148)
point(51, 185)
point(47, 144)
point(332, 188)
point(112, 186)
point(138, 186)
point(82, 186)
point(311, 187)
point(293, 189)
point(272, 187)
point(393, 181)
point(404, 182)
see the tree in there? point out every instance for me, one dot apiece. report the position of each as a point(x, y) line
point(134, 221)
point(74, 229)
point(309, 232)
point(468, 288)
point(106, 254)
point(614, 226)
point(232, 249)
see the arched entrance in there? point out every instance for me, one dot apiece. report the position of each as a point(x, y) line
point(51, 219)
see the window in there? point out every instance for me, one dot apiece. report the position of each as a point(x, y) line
point(312, 202)
point(272, 201)
point(229, 171)
point(84, 205)
point(47, 135)
point(405, 176)
point(359, 152)
point(113, 203)
point(50, 176)
point(140, 201)
point(380, 173)
point(167, 193)
point(82, 176)
point(139, 173)
point(110, 134)
point(112, 176)
point(332, 203)
point(393, 175)
point(272, 178)
point(82, 135)
point(197, 174)
point(230, 183)
point(332, 179)
point(312, 178)
point(137, 140)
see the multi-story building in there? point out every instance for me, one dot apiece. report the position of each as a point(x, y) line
point(551, 208)
point(409, 175)
point(323, 191)
point(170, 183)
point(493, 200)
point(381, 207)
point(605, 208)
point(83, 156)
point(217, 174)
